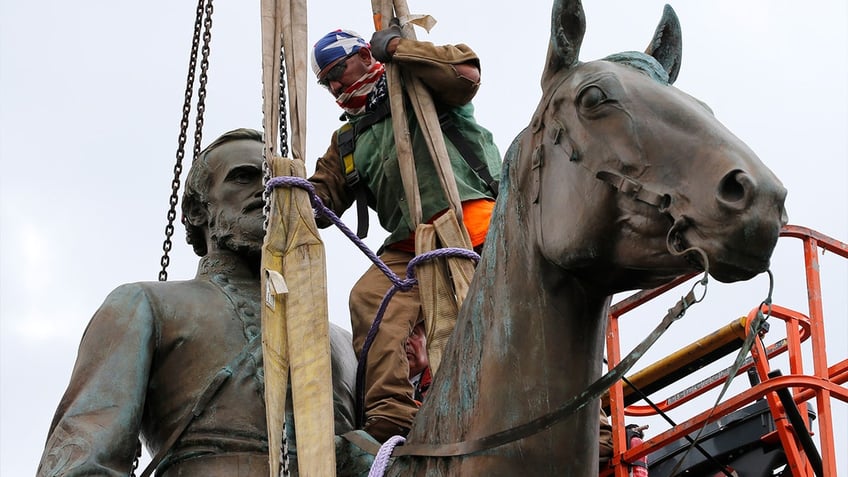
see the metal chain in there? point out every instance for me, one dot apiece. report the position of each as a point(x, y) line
point(201, 89)
point(284, 151)
point(284, 138)
point(284, 126)
point(283, 471)
point(203, 6)
point(178, 167)
point(266, 194)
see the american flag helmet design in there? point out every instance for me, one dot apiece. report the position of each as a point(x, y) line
point(334, 45)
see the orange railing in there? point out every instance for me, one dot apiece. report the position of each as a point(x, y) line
point(823, 384)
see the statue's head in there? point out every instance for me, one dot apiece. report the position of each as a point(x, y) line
point(222, 202)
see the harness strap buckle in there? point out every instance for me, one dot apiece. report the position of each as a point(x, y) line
point(629, 186)
point(347, 144)
point(352, 179)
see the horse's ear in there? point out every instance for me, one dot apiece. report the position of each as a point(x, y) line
point(667, 44)
point(568, 25)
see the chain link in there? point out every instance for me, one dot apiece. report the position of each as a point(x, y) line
point(283, 471)
point(181, 141)
point(202, 6)
point(284, 152)
point(284, 138)
point(205, 7)
point(266, 194)
point(206, 21)
point(284, 127)
point(204, 70)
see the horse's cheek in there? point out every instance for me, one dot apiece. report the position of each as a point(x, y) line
point(555, 229)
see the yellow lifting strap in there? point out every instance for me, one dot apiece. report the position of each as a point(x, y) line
point(295, 325)
point(441, 294)
point(447, 281)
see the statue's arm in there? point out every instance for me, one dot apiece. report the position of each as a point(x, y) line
point(96, 426)
point(451, 72)
point(329, 182)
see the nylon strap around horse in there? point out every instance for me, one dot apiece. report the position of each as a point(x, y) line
point(403, 143)
point(448, 282)
point(424, 108)
point(425, 111)
point(589, 395)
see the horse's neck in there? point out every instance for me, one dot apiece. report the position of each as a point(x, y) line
point(520, 331)
point(541, 320)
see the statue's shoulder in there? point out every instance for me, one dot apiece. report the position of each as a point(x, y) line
point(163, 288)
point(156, 293)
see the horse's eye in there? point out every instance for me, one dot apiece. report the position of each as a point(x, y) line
point(591, 97)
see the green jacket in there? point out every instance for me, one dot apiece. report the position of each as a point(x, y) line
point(375, 155)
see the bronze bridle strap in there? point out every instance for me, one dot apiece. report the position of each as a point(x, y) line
point(590, 394)
point(664, 204)
point(634, 189)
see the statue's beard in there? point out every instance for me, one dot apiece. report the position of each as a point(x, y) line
point(241, 234)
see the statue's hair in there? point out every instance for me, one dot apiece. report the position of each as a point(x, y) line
point(197, 186)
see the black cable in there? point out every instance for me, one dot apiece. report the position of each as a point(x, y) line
point(721, 467)
point(665, 416)
point(799, 426)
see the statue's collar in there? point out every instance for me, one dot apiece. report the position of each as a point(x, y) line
point(225, 263)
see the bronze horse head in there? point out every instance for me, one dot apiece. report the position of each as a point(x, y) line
point(663, 152)
point(621, 181)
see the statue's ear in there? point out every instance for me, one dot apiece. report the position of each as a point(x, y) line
point(195, 212)
point(667, 44)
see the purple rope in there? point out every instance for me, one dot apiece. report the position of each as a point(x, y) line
point(398, 283)
point(375, 325)
point(381, 461)
point(320, 208)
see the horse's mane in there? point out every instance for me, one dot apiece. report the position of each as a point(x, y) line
point(642, 62)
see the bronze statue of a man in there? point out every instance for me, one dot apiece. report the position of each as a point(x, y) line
point(156, 350)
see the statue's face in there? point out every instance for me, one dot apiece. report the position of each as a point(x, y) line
point(235, 196)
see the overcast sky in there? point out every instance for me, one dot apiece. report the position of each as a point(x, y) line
point(90, 101)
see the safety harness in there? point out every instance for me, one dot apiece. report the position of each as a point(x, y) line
point(347, 144)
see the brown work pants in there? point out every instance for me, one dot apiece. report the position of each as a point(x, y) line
point(389, 403)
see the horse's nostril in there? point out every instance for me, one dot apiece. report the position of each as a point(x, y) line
point(733, 187)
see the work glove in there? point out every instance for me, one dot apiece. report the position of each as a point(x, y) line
point(380, 42)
